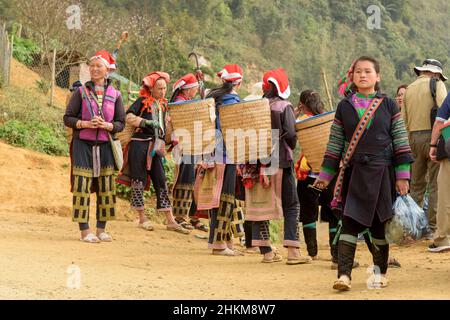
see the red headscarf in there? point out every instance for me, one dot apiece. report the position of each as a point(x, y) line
point(231, 73)
point(147, 83)
point(186, 82)
point(279, 79)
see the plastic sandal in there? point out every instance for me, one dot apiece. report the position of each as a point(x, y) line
point(299, 260)
point(146, 226)
point(379, 281)
point(90, 238)
point(104, 237)
point(238, 252)
point(199, 226)
point(178, 228)
point(184, 223)
point(227, 252)
point(276, 258)
point(342, 284)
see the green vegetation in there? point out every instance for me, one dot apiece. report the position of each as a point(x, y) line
point(276, 231)
point(303, 36)
point(24, 49)
point(27, 121)
point(43, 86)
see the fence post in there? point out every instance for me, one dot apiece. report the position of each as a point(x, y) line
point(19, 31)
point(52, 91)
point(5, 55)
point(10, 58)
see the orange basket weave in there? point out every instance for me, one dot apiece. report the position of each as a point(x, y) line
point(249, 116)
point(313, 134)
point(186, 116)
point(125, 135)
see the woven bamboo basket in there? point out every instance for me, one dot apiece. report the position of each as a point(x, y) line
point(243, 118)
point(313, 134)
point(125, 135)
point(188, 116)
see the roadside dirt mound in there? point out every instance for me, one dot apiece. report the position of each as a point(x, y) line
point(35, 182)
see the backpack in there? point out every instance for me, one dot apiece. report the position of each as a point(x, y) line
point(434, 110)
point(441, 151)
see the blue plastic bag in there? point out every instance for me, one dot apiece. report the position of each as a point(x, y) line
point(409, 221)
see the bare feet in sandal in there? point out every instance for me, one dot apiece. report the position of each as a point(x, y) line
point(343, 283)
point(198, 225)
point(271, 257)
point(226, 252)
point(146, 225)
point(183, 223)
point(295, 257)
point(177, 228)
point(90, 238)
point(104, 237)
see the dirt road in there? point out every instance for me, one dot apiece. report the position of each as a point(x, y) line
point(38, 243)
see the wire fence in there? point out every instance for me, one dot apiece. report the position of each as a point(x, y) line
point(51, 71)
point(5, 56)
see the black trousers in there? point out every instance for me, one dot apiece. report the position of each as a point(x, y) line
point(309, 215)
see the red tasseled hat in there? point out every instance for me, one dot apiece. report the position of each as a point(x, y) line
point(105, 57)
point(280, 79)
point(231, 73)
point(186, 82)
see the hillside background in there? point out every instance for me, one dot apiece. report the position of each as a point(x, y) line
point(302, 36)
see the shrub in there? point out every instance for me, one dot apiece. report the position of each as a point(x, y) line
point(24, 49)
point(14, 132)
point(43, 86)
point(33, 135)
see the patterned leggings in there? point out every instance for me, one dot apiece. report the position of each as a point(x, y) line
point(106, 198)
point(158, 178)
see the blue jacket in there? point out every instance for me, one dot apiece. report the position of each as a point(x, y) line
point(228, 98)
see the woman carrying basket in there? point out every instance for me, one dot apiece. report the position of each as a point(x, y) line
point(144, 155)
point(369, 136)
point(224, 221)
point(310, 105)
point(94, 112)
point(185, 89)
point(276, 89)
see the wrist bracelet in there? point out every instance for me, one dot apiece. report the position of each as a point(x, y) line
point(433, 145)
